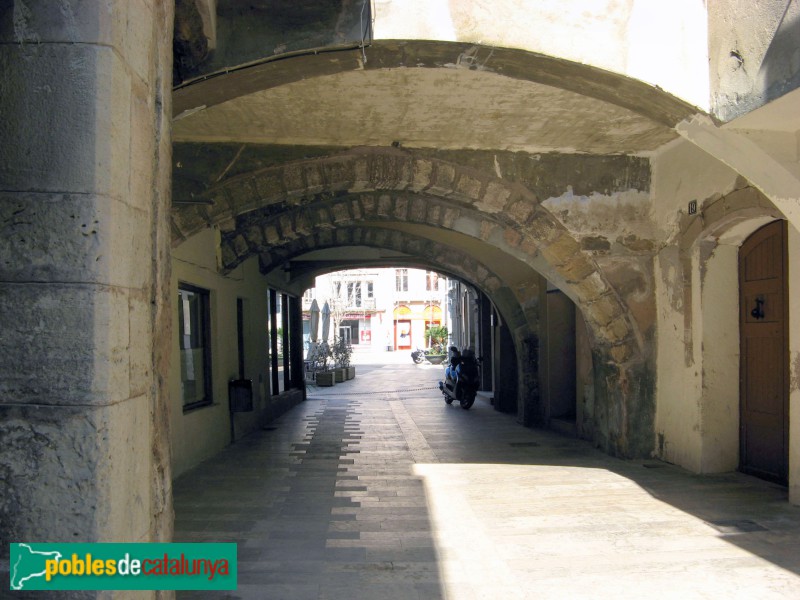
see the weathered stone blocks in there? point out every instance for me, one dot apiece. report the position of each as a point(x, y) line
point(443, 178)
point(338, 173)
point(90, 463)
point(390, 171)
point(341, 214)
point(604, 309)
point(469, 188)
point(65, 154)
point(385, 206)
point(64, 344)
point(237, 196)
point(188, 220)
point(521, 210)
point(53, 237)
point(578, 268)
point(562, 250)
point(271, 235)
point(294, 182)
point(421, 175)
point(228, 255)
point(268, 187)
point(240, 246)
point(418, 210)
point(495, 198)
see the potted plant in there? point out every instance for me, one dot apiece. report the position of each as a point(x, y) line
point(342, 351)
point(436, 337)
point(323, 376)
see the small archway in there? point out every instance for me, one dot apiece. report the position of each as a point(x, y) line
point(709, 260)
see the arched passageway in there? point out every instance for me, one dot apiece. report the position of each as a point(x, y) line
point(394, 199)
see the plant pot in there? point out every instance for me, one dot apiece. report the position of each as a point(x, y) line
point(435, 359)
point(351, 372)
point(340, 375)
point(326, 378)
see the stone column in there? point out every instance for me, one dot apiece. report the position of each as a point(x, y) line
point(84, 287)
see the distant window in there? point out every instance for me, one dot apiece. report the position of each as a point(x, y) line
point(431, 281)
point(194, 331)
point(370, 290)
point(402, 280)
point(354, 293)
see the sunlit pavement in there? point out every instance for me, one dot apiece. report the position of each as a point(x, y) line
point(375, 488)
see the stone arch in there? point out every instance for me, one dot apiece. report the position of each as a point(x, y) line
point(336, 190)
point(614, 88)
point(517, 307)
point(509, 302)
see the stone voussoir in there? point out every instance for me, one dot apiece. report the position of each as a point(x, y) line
point(495, 198)
point(269, 186)
point(562, 250)
point(220, 208)
point(385, 206)
point(469, 188)
point(294, 182)
point(341, 212)
point(272, 235)
point(286, 226)
point(401, 207)
point(434, 213)
point(591, 288)
point(604, 309)
point(450, 216)
point(578, 268)
point(616, 331)
point(242, 195)
point(228, 253)
point(444, 176)
point(390, 172)
point(241, 246)
point(362, 181)
point(421, 175)
point(255, 235)
point(314, 178)
point(188, 220)
point(417, 210)
point(622, 353)
point(338, 173)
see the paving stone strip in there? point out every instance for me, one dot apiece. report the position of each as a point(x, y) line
point(380, 495)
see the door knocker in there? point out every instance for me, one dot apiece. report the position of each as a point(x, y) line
point(758, 311)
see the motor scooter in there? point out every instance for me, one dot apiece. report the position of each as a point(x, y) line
point(461, 378)
point(418, 356)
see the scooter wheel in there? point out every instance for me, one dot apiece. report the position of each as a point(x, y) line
point(448, 399)
point(467, 402)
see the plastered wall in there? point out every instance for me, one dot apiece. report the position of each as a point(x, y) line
point(697, 288)
point(201, 433)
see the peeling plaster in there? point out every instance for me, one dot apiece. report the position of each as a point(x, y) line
point(622, 217)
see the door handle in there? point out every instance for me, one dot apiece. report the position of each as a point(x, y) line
point(758, 311)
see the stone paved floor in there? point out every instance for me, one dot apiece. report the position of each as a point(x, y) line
point(376, 489)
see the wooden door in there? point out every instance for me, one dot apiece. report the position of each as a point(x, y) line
point(763, 319)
